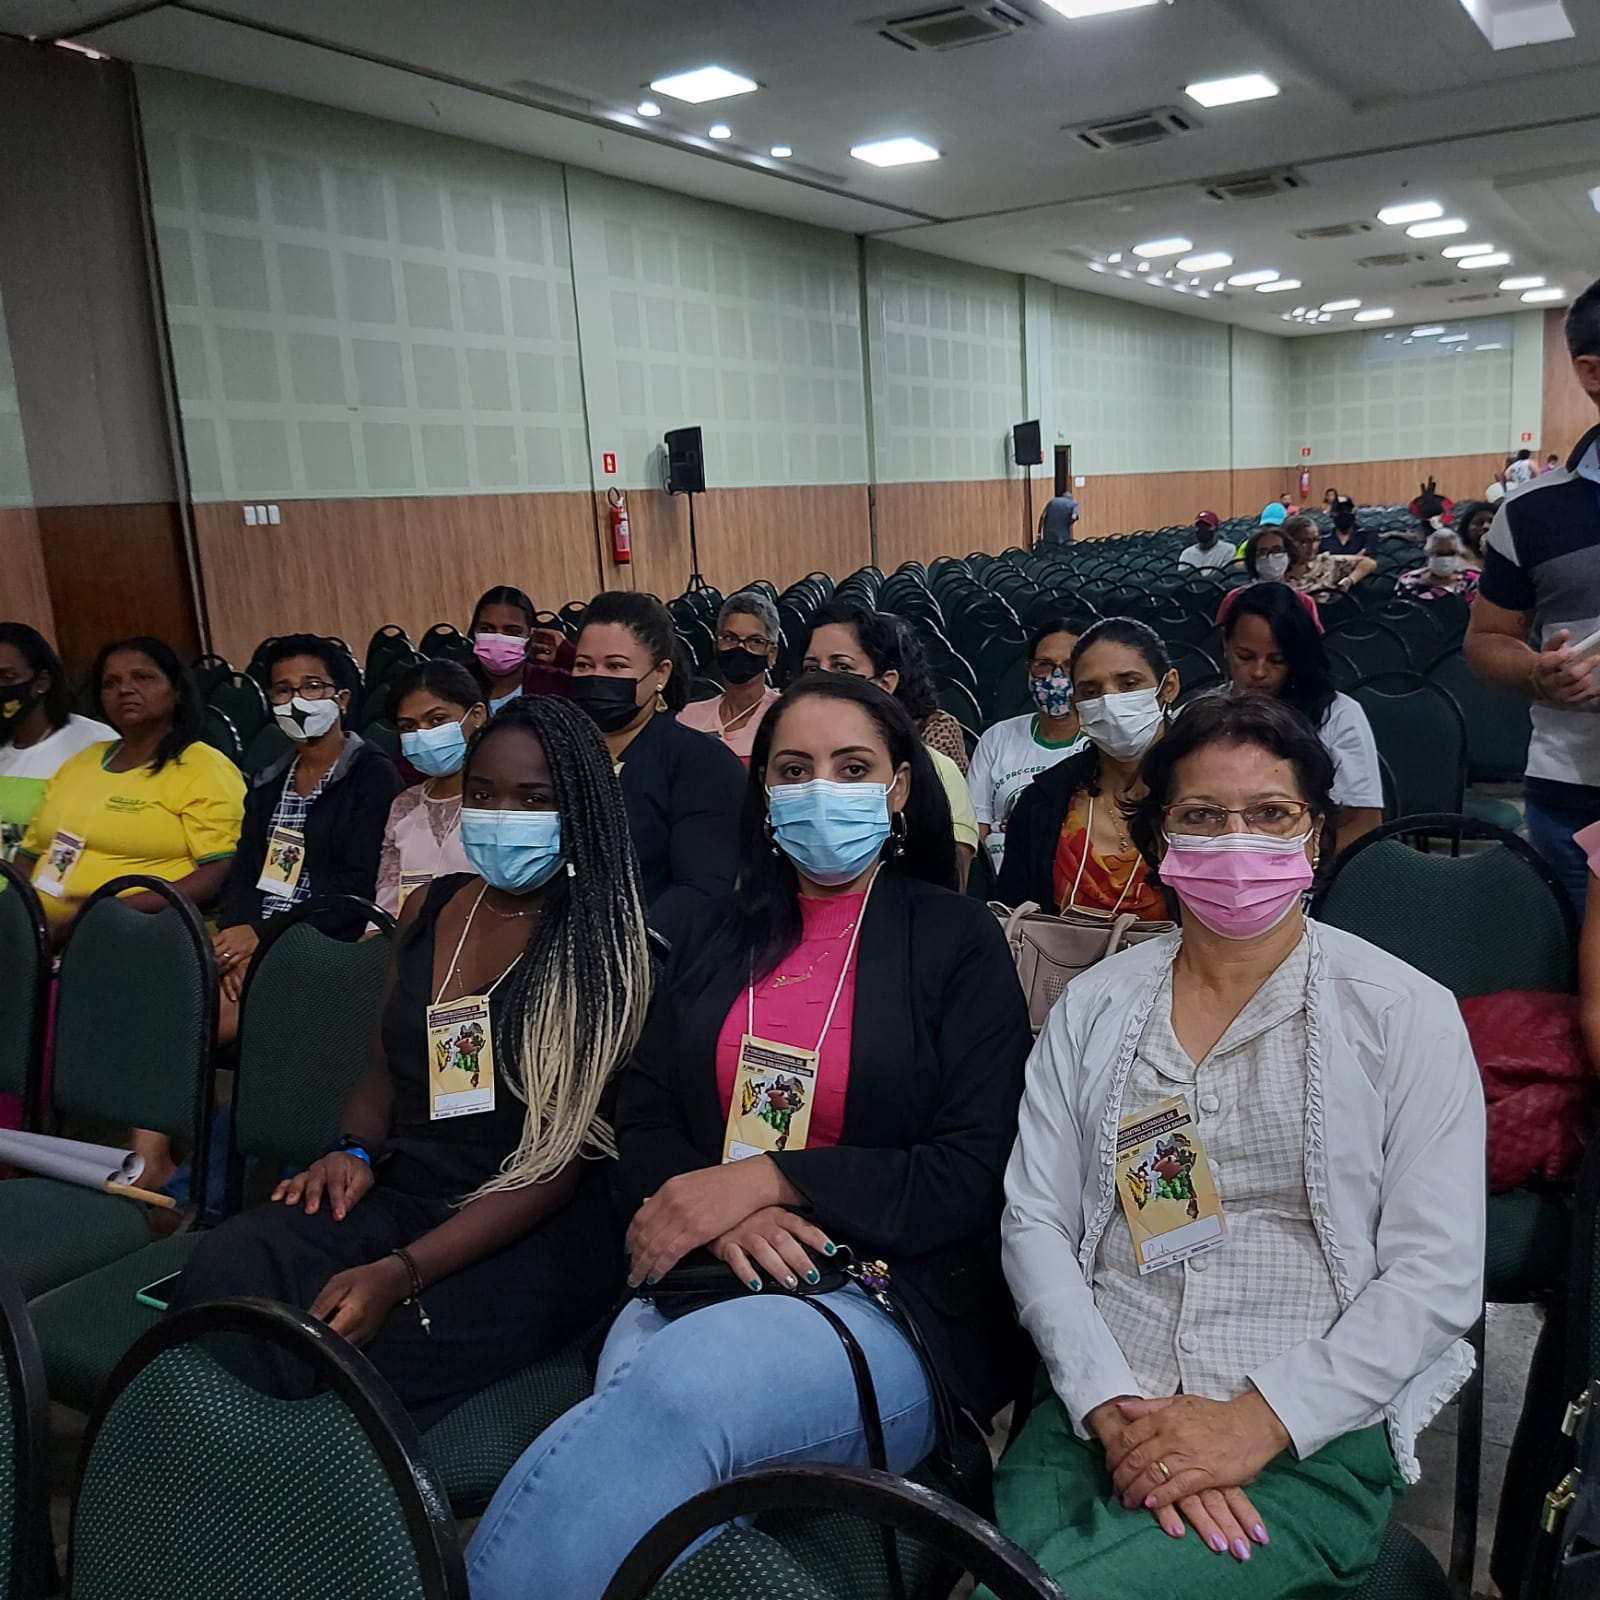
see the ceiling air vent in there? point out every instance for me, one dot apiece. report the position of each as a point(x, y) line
point(1473, 299)
point(1438, 283)
point(1395, 258)
point(1255, 185)
point(951, 27)
point(1142, 127)
point(1337, 230)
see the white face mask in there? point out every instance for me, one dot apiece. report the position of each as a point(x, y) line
point(305, 719)
point(1273, 566)
point(1123, 725)
point(1444, 566)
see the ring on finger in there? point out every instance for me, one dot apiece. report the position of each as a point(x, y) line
point(1165, 1471)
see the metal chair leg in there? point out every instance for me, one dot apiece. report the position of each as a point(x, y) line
point(1469, 1462)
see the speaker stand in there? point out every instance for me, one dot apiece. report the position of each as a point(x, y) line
point(1027, 514)
point(696, 583)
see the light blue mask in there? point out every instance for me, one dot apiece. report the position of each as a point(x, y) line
point(831, 831)
point(513, 850)
point(435, 752)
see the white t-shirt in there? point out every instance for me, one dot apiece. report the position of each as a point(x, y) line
point(1347, 736)
point(1521, 472)
point(1009, 757)
point(24, 774)
point(1219, 555)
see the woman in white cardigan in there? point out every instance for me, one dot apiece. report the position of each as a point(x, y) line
point(1245, 1209)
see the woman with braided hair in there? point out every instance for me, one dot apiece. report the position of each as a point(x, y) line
point(461, 1226)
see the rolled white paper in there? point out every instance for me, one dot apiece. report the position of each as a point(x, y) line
point(71, 1160)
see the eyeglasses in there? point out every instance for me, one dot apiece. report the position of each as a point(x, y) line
point(734, 641)
point(309, 689)
point(1039, 667)
point(1280, 818)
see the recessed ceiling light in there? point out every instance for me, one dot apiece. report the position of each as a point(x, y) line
point(1453, 252)
point(1539, 297)
point(1208, 261)
point(901, 152)
point(1376, 314)
point(703, 84)
point(1114, 257)
point(1094, 266)
point(1144, 266)
point(1277, 286)
point(1411, 211)
point(1325, 316)
point(1437, 230)
point(720, 130)
point(1497, 258)
point(1507, 24)
point(1454, 338)
point(1232, 91)
point(1094, 8)
point(648, 108)
point(1220, 285)
point(1432, 329)
point(1248, 280)
point(1154, 249)
point(1488, 347)
point(1521, 283)
point(780, 152)
point(1340, 305)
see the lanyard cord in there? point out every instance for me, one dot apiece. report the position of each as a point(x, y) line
point(466, 928)
point(838, 989)
point(1083, 861)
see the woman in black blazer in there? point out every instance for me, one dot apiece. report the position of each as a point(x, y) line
point(843, 943)
point(682, 798)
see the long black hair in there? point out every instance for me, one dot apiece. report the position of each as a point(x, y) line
point(41, 661)
point(764, 923)
point(503, 594)
point(891, 645)
point(188, 714)
point(1462, 516)
point(651, 624)
point(462, 685)
point(1309, 686)
point(576, 999)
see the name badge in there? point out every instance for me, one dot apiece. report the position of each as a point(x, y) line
point(50, 876)
point(773, 1087)
point(1164, 1182)
point(460, 1058)
point(285, 860)
point(410, 881)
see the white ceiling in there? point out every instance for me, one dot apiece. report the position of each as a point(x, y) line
point(1383, 100)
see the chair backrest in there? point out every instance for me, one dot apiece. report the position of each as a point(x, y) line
point(270, 744)
point(965, 1540)
point(136, 1017)
point(389, 644)
point(24, 993)
point(1499, 725)
point(244, 702)
point(198, 1480)
point(1420, 733)
point(306, 1013)
point(1374, 646)
point(1478, 922)
point(220, 734)
point(27, 1557)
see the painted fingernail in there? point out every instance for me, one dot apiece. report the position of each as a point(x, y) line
point(755, 1286)
point(633, 1283)
point(1259, 1534)
point(1175, 1532)
point(792, 1282)
point(813, 1276)
point(1241, 1549)
point(1149, 1502)
point(1218, 1543)
point(830, 1249)
point(652, 1279)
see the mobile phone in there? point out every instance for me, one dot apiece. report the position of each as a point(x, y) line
point(1584, 646)
point(158, 1295)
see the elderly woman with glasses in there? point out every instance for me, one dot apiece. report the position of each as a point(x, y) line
point(747, 650)
point(1245, 1211)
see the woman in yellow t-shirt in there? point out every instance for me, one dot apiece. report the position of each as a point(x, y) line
point(154, 801)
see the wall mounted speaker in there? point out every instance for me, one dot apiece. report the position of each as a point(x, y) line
point(1026, 449)
point(686, 468)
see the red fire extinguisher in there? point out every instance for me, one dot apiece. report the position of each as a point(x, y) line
point(1305, 483)
point(621, 545)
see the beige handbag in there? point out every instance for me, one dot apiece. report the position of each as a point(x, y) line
point(1051, 951)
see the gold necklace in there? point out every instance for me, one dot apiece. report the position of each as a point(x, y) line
point(782, 980)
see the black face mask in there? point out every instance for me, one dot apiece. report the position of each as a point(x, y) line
point(740, 666)
point(610, 702)
point(16, 701)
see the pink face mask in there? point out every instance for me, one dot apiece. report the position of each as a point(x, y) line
point(1237, 884)
point(499, 652)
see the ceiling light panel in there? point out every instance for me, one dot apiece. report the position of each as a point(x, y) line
point(1509, 24)
point(1232, 91)
point(704, 84)
point(1453, 252)
point(780, 152)
point(1095, 8)
point(902, 152)
point(1249, 280)
point(1454, 338)
point(1155, 249)
point(1431, 331)
point(1277, 286)
point(648, 108)
point(720, 130)
point(1411, 211)
point(1440, 229)
point(1376, 314)
point(1497, 258)
point(1340, 305)
point(1539, 297)
point(1208, 261)
point(1510, 284)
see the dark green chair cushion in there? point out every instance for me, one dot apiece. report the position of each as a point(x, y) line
point(53, 1232)
point(740, 1564)
point(86, 1327)
point(1405, 1571)
point(1526, 1254)
point(20, 958)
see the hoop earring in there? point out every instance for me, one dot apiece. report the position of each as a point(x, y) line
point(897, 834)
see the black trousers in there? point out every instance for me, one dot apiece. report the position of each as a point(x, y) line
point(489, 1320)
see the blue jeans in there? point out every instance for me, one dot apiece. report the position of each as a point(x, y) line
point(678, 1407)
point(1550, 831)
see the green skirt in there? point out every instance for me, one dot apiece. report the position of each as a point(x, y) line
point(1324, 1516)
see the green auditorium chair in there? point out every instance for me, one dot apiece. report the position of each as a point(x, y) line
point(243, 701)
point(209, 671)
point(27, 1556)
point(1423, 626)
point(1420, 732)
point(136, 1018)
point(24, 995)
point(391, 643)
point(1374, 646)
point(244, 1450)
point(270, 744)
point(258, 661)
point(444, 641)
point(306, 1013)
point(220, 734)
point(1499, 725)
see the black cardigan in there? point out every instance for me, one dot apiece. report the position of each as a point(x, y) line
point(1028, 868)
point(938, 1042)
point(682, 791)
point(344, 832)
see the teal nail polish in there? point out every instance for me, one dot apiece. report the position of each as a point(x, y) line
point(755, 1286)
point(830, 1249)
point(651, 1280)
point(813, 1276)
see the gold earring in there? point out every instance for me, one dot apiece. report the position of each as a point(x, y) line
point(661, 704)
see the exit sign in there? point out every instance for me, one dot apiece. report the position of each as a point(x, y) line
point(608, 462)
point(1305, 450)
point(1527, 438)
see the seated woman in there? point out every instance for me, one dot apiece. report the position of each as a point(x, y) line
point(458, 1242)
point(1312, 570)
point(747, 650)
point(882, 648)
point(1251, 1301)
point(844, 945)
point(313, 820)
point(682, 791)
point(1067, 846)
point(1347, 537)
point(1272, 647)
point(1011, 754)
point(437, 708)
point(503, 623)
point(1447, 571)
point(1474, 518)
point(156, 801)
point(38, 728)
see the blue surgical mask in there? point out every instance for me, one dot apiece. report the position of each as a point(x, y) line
point(514, 850)
point(437, 752)
point(831, 831)
point(1052, 695)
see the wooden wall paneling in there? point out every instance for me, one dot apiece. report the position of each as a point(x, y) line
point(1376, 483)
point(27, 589)
point(920, 521)
point(113, 571)
point(1568, 412)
